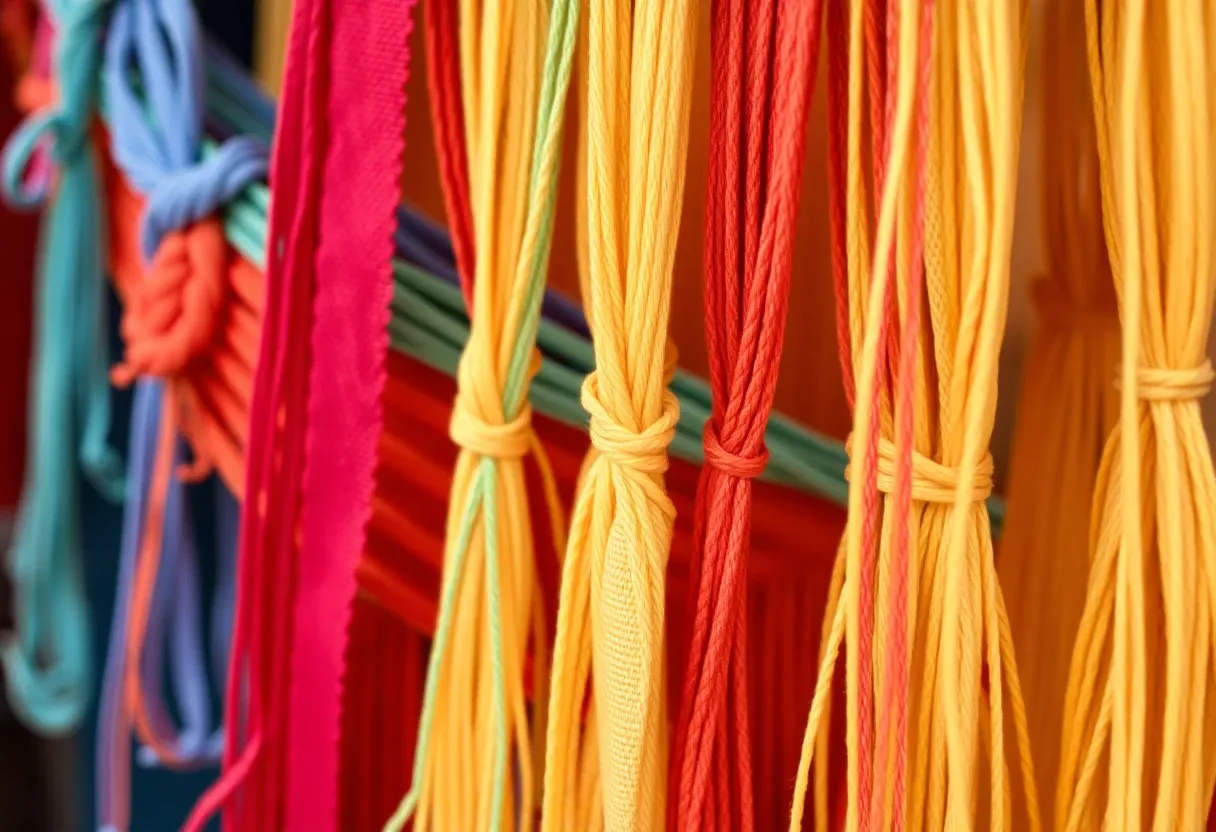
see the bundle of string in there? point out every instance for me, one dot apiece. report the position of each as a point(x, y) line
point(47, 662)
point(475, 717)
point(915, 592)
point(611, 613)
point(764, 60)
point(1138, 745)
point(172, 314)
point(1066, 405)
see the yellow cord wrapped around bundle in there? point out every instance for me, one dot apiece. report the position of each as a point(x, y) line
point(1139, 743)
point(959, 650)
point(475, 733)
point(611, 614)
point(1066, 405)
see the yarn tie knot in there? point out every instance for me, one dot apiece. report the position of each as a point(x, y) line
point(644, 451)
point(511, 439)
point(727, 461)
point(170, 316)
point(178, 198)
point(1161, 384)
point(932, 482)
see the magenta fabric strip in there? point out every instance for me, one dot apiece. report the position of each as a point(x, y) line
point(365, 55)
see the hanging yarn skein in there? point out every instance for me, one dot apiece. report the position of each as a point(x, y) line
point(1138, 747)
point(47, 663)
point(916, 594)
point(765, 56)
point(611, 613)
point(475, 715)
point(1066, 404)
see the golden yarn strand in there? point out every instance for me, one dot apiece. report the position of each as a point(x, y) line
point(956, 617)
point(1138, 747)
point(478, 743)
point(1066, 405)
point(611, 612)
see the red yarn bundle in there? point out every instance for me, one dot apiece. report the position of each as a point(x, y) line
point(764, 60)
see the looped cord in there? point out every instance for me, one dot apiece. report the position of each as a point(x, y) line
point(509, 440)
point(66, 124)
point(183, 198)
point(1165, 384)
point(47, 663)
point(732, 464)
point(932, 482)
point(1059, 311)
point(641, 452)
point(153, 63)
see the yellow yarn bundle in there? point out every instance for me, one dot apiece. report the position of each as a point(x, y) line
point(1066, 405)
point(611, 615)
point(1139, 743)
point(475, 734)
point(957, 627)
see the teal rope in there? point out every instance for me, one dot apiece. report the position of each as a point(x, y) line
point(47, 663)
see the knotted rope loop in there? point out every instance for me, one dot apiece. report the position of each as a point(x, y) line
point(478, 424)
point(180, 198)
point(1059, 311)
point(170, 316)
point(504, 440)
point(932, 482)
point(727, 461)
point(1165, 384)
point(642, 452)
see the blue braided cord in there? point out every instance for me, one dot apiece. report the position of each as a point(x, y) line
point(153, 81)
point(223, 604)
point(176, 612)
point(145, 416)
point(47, 663)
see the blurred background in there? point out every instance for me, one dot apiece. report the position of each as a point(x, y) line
point(47, 785)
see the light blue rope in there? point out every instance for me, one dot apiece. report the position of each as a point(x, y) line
point(47, 662)
point(154, 77)
point(157, 129)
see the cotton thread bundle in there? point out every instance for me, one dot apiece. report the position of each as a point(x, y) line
point(469, 722)
point(611, 613)
point(1137, 745)
point(1066, 403)
point(765, 56)
point(934, 471)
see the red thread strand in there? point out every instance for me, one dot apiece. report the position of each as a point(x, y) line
point(764, 60)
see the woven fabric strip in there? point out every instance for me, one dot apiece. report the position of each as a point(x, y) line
point(364, 62)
